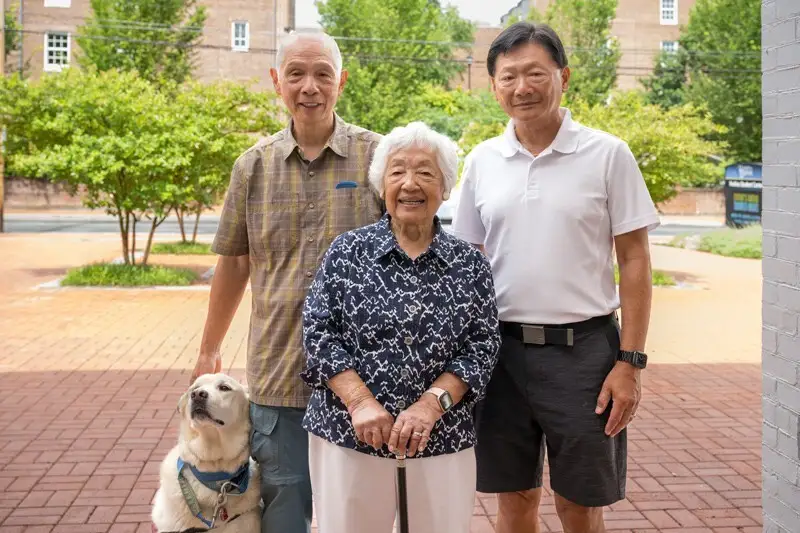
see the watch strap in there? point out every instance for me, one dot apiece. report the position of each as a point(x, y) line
point(636, 358)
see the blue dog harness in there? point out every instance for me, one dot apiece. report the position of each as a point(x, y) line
point(224, 483)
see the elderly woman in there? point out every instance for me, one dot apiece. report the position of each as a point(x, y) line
point(401, 331)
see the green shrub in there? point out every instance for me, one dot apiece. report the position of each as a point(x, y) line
point(182, 248)
point(729, 242)
point(121, 275)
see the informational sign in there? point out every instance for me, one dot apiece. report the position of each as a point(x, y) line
point(743, 187)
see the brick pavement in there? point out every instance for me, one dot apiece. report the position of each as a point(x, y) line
point(90, 378)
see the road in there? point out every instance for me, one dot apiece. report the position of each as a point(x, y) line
point(46, 223)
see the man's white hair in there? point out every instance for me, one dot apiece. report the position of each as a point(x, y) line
point(420, 135)
point(328, 42)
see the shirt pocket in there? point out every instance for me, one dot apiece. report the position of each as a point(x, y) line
point(274, 226)
point(351, 208)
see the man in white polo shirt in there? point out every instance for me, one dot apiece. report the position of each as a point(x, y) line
point(549, 201)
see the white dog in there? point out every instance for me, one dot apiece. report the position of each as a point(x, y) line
point(209, 481)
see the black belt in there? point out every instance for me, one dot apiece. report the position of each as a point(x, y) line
point(552, 333)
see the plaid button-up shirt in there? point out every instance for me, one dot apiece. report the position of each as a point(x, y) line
point(284, 211)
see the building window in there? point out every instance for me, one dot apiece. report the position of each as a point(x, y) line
point(240, 36)
point(669, 46)
point(57, 3)
point(56, 51)
point(669, 11)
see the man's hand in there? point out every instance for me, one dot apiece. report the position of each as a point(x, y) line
point(206, 364)
point(413, 427)
point(371, 421)
point(622, 385)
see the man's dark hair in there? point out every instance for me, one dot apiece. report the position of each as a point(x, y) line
point(521, 33)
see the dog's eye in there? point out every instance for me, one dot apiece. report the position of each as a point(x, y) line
point(224, 387)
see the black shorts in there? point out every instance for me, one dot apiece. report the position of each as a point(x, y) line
point(549, 393)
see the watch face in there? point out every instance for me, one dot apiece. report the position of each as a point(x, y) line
point(446, 401)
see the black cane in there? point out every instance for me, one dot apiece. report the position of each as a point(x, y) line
point(402, 495)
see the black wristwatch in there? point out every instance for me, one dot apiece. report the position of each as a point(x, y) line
point(637, 359)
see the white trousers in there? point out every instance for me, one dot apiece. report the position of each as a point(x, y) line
point(356, 493)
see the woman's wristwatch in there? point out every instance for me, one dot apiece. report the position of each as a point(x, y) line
point(443, 397)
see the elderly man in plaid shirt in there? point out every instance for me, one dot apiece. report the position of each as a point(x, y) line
point(282, 210)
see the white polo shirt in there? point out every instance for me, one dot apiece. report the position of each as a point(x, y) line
point(548, 222)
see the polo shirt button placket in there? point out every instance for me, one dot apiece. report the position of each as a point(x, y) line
point(533, 183)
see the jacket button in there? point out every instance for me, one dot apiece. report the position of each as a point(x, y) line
point(408, 341)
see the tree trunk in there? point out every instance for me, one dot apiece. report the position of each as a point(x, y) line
point(196, 224)
point(149, 244)
point(133, 242)
point(123, 233)
point(181, 215)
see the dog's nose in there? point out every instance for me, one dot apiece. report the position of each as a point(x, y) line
point(199, 393)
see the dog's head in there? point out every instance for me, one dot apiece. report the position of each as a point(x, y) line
point(215, 401)
point(214, 423)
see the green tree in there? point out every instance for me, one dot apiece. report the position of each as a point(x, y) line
point(134, 150)
point(450, 111)
point(12, 35)
point(672, 146)
point(585, 29)
point(666, 85)
point(219, 122)
point(723, 44)
point(155, 38)
point(416, 47)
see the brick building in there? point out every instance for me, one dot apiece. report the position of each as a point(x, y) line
point(643, 27)
point(781, 265)
point(239, 38)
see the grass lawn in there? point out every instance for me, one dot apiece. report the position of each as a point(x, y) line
point(730, 242)
point(660, 279)
point(181, 248)
point(113, 275)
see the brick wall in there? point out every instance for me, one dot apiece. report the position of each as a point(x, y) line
point(217, 61)
point(781, 265)
point(695, 202)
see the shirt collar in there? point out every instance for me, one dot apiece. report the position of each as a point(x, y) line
point(566, 140)
point(337, 142)
point(386, 243)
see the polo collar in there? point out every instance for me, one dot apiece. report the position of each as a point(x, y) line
point(386, 243)
point(566, 141)
point(337, 142)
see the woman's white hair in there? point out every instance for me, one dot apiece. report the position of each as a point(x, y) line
point(420, 135)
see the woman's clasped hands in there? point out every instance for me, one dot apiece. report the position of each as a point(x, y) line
point(405, 436)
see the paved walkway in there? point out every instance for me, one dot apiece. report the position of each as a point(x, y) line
point(89, 381)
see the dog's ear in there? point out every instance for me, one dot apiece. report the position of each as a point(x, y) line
point(182, 402)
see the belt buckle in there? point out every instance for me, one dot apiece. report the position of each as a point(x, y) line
point(532, 334)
